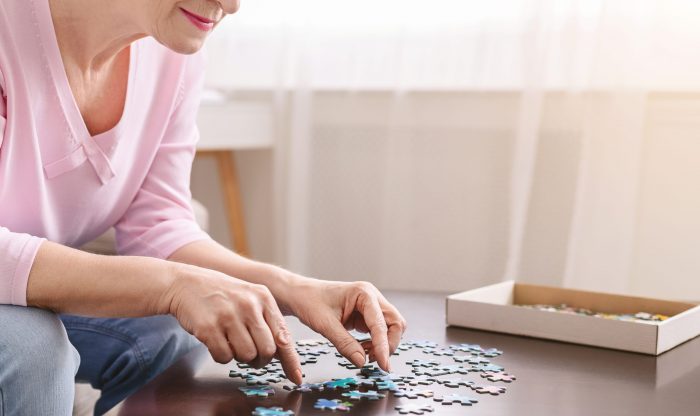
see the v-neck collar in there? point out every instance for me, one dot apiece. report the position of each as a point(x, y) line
point(98, 148)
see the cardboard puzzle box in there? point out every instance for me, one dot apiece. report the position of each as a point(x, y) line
point(496, 308)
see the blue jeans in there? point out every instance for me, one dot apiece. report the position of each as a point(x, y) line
point(42, 355)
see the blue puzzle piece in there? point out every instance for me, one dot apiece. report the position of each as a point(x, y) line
point(325, 404)
point(357, 395)
point(343, 383)
point(271, 411)
point(257, 391)
point(439, 352)
point(387, 385)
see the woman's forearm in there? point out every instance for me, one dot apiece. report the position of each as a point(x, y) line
point(68, 280)
point(211, 255)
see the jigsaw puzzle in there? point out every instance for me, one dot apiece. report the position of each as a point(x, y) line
point(406, 385)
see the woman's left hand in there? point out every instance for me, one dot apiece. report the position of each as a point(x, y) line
point(332, 308)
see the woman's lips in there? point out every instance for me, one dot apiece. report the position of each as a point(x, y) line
point(201, 23)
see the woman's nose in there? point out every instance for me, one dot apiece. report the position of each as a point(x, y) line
point(229, 6)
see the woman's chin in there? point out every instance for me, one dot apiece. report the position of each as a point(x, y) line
point(184, 45)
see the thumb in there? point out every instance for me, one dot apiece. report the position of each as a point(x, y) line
point(345, 343)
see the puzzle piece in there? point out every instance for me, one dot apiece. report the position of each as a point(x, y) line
point(305, 387)
point(312, 342)
point(312, 351)
point(361, 381)
point(423, 363)
point(303, 360)
point(257, 391)
point(422, 380)
point(404, 347)
point(325, 404)
point(439, 352)
point(416, 409)
point(262, 380)
point(491, 352)
point(454, 383)
point(245, 373)
point(473, 348)
point(471, 359)
point(413, 394)
point(432, 372)
point(387, 385)
point(271, 411)
point(488, 368)
point(454, 369)
point(369, 394)
point(450, 399)
point(342, 383)
point(492, 390)
point(370, 371)
point(422, 344)
point(346, 363)
point(507, 378)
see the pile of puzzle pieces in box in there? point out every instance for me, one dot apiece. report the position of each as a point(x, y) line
point(644, 317)
point(428, 376)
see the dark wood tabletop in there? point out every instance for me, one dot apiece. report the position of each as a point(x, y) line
point(552, 378)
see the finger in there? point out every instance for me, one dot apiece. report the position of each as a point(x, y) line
point(244, 349)
point(285, 345)
point(264, 342)
point(374, 318)
point(396, 325)
point(218, 347)
point(344, 342)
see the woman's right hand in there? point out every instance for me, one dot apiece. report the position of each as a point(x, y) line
point(233, 318)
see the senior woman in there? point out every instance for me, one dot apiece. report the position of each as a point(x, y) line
point(97, 129)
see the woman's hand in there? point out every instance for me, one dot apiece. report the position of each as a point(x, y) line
point(333, 308)
point(233, 318)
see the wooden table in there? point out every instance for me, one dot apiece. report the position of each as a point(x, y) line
point(553, 378)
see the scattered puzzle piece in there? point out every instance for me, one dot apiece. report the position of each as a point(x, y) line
point(450, 399)
point(262, 380)
point(346, 363)
point(312, 359)
point(432, 372)
point(342, 383)
point(454, 383)
point(413, 394)
point(325, 404)
point(488, 368)
point(312, 342)
point(422, 344)
point(369, 394)
point(371, 371)
point(473, 348)
point(491, 352)
point(416, 409)
point(387, 385)
point(423, 363)
point(492, 390)
point(507, 378)
point(422, 380)
point(439, 352)
point(471, 359)
point(257, 391)
point(305, 387)
point(271, 411)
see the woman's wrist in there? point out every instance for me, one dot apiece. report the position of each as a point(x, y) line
point(287, 287)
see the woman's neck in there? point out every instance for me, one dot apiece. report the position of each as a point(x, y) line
point(91, 33)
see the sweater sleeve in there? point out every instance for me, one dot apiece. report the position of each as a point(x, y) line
point(160, 219)
point(17, 250)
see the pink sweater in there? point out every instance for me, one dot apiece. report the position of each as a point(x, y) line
point(59, 183)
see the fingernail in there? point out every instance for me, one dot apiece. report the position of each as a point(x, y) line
point(299, 375)
point(358, 359)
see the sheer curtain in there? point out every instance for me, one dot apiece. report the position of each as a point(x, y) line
point(448, 144)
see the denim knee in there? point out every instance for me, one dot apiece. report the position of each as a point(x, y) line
point(39, 363)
